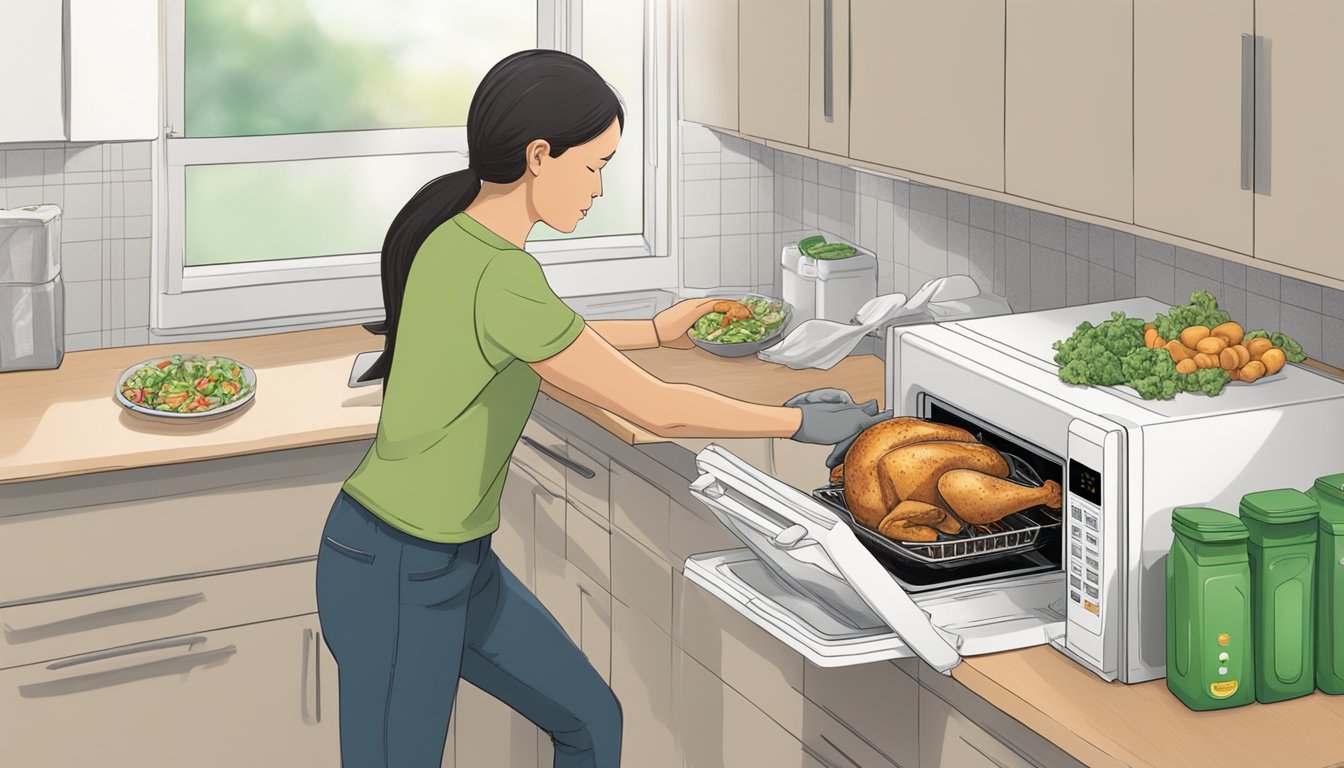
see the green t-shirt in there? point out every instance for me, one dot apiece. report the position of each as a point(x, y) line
point(476, 311)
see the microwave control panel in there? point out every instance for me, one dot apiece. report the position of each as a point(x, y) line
point(1085, 543)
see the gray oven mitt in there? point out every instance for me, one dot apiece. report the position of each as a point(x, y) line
point(830, 416)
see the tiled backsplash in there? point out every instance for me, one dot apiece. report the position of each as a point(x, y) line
point(104, 194)
point(742, 201)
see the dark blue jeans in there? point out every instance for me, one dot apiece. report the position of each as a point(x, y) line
point(405, 617)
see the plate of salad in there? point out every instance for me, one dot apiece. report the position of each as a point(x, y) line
point(186, 386)
point(737, 328)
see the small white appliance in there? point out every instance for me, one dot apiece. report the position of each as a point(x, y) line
point(32, 294)
point(1091, 579)
point(827, 289)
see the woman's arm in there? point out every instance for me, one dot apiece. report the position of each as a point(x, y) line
point(592, 369)
point(627, 334)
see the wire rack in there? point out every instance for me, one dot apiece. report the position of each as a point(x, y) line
point(1014, 534)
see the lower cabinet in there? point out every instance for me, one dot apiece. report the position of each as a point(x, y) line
point(258, 694)
point(641, 676)
point(488, 732)
point(720, 727)
point(947, 737)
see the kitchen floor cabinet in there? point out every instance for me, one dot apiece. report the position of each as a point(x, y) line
point(1300, 116)
point(774, 69)
point(947, 737)
point(258, 694)
point(928, 93)
point(1068, 105)
point(709, 35)
point(1193, 104)
point(641, 676)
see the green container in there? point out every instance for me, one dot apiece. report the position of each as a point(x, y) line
point(1210, 659)
point(1282, 550)
point(1328, 493)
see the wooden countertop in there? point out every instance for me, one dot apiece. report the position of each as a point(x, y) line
point(66, 422)
point(1113, 724)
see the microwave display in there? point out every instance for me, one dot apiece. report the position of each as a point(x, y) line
point(1084, 482)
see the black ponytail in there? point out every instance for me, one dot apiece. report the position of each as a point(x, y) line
point(529, 95)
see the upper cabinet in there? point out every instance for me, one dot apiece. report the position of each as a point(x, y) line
point(928, 87)
point(114, 70)
point(31, 57)
point(774, 59)
point(1069, 104)
point(91, 76)
point(1193, 127)
point(828, 113)
point(1299, 155)
point(709, 62)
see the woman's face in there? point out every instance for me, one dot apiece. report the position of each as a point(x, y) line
point(564, 187)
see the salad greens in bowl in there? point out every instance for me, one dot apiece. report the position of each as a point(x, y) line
point(741, 328)
point(186, 386)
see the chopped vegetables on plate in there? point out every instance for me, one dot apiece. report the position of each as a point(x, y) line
point(732, 322)
point(186, 384)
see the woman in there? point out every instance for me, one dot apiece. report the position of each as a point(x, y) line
point(409, 593)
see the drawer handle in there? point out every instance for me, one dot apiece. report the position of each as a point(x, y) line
point(127, 650)
point(154, 609)
point(82, 683)
point(587, 473)
point(312, 660)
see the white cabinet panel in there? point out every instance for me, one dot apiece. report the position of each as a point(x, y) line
point(709, 62)
point(774, 69)
point(31, 58)
point(114, 70)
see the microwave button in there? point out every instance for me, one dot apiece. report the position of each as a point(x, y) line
point(1091, 591)
point(1093, 577)
point(1076, 549)
point(1092, 522)
point(1091, 541)
point(1077, 598)
point(1092, 562)
point(1077, 513)
point(1077, 568)
point(1076, 533)
point(1076, 582)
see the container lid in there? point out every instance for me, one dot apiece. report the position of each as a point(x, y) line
point(861, 261)
point(1204, 524)
point(1331, 487)
point(1282, 506)
point(37, 214)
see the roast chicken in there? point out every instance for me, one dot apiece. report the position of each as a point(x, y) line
point(908, 479)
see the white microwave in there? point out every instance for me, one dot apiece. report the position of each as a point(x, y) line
point(1089, 579)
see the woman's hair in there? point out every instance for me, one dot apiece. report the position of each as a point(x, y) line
point(530, 95)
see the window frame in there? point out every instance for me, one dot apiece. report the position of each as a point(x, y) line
point(340, 289)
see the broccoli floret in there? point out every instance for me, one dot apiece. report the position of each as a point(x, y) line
point(1210, 381)
point(1292, 350)
point(1156, 388)
point(1202, 310)
point(1092, 355)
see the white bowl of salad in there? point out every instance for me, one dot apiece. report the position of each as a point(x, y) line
point(186, 386)
point(754, 323)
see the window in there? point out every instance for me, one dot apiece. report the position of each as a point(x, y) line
point(298, 128)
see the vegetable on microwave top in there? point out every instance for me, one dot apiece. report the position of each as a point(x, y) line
point(186, 384)
point(1191, 348)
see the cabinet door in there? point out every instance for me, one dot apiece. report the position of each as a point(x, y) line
point(774, 69)
point(258, 694)
point(1069, 105)
point(916, 107)
point(114, 70)
point(514, 540)
point(1189, 127)
point(1300, 114)
point(947, 737)
point(489, 732)
point(709, 62)
point(719, 727)
point(31, 55)
point(641, 676)
point(828, 115)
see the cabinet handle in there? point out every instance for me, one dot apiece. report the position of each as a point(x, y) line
point(312, 659)
point(587, 473)
point(827, 64)
point(127, 650)
point(94, 680)
point(153, 609)
point(1247, 108)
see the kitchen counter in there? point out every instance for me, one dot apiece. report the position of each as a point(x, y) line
point(65, 422)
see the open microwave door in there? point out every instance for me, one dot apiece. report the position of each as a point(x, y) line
point(807, 580)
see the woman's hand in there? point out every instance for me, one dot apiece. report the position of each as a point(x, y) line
point(672, 323)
